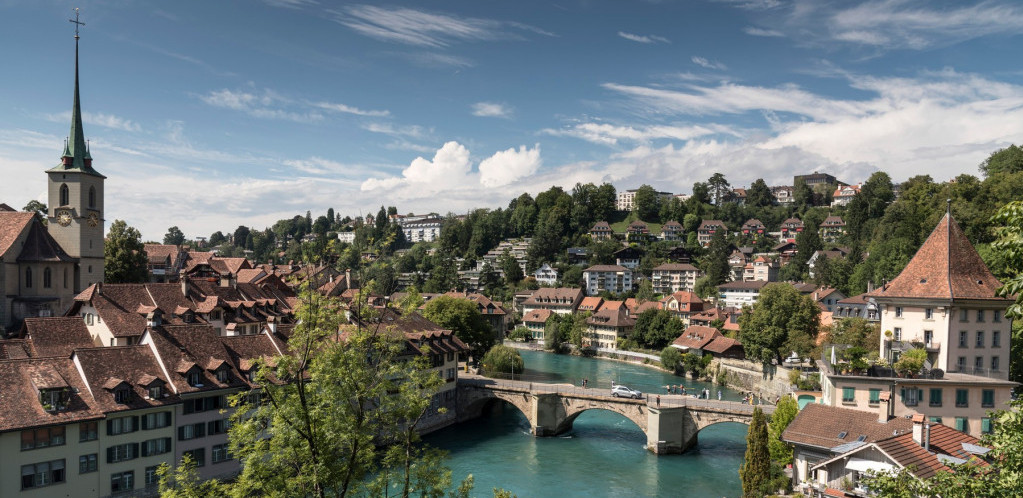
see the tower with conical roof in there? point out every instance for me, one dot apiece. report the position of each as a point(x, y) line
point(75, 197)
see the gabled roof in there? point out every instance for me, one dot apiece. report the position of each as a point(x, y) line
point(551, 295)
point(130, 364)
point(833, 221)
point(185, 347)
point(721, 344)
point(945, 267)
point(537, 316)
point(671, 224)
point(601, 226)
point(612, 318)
point(820, 426)
point(12, 223)
point(696, 337)
point(591, 303)
point(944, 440)
point(56, 336)
point(41, 246)
point(712, 224)
point(159, 253)
point(676, 267)
point(683, 297)
point(20, 381)
point(752, 223)
point(793, 222)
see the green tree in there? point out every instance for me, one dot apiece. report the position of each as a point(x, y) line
point(784, 412)
point(718, 188)
point(174, 236)
point(715, 265)
point(802, 195)
point(1007, 160)
point(462, 317)
point(241, 234)
point(671, 359)
point(647, 203)
point(759, 194)
point(782, 319)
point(319, 446)
point(38, 208)
point(502, 361)
point(125, 259)
point(511, 268)
point(1010, 244)
point(756, 466)
point(217, 238)
point(645, 292)
point(656, 328)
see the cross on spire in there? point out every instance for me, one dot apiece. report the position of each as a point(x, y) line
point(76, 22)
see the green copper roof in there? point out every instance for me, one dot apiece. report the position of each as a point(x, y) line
point(76, 147)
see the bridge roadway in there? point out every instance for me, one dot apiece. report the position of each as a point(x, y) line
point(671, 425)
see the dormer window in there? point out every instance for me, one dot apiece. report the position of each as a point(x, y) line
point(155, 392)
point(121, 395)
point(222, 375)
point(194, 379)
point(54, 400)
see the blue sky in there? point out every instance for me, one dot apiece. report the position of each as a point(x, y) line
point(207, 115)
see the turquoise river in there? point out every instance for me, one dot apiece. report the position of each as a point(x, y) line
point(603, 455)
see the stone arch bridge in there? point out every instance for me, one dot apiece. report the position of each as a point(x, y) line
point(671, 426)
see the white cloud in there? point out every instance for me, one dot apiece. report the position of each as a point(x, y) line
point(415, 27)
point(643, 38)
point(754, 31)
point(434, 60)
point(706, 63)
point(411, 131)
point(917, 25)
point(98, 119)
point(291, 4)
point(448, 168)
point(507, 166)
point(342, 108)
point(491, 110)
point(608, 134)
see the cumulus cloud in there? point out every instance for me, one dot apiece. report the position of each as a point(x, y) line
point(643, 38)
point(709, 64)
point(507, 166)
point(449, 165)
point(491, 110)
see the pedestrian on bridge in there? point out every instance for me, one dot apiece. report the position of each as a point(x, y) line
point(719, 395)
point(658, 401)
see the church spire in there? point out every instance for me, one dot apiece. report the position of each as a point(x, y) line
point(76, 153)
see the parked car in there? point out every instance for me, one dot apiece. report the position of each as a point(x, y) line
point(624, 392)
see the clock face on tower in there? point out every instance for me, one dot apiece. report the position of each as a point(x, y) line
point(64, 217)
point(93, 220)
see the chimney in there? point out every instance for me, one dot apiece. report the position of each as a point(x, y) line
point(99, 288)
point(271, 322)
point(184, 285)
point(927, 436)
point(884, 408)
point(870, 286)
point(918, 429)
point(348, 277)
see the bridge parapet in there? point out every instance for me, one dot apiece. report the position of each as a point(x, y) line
point(671, 423)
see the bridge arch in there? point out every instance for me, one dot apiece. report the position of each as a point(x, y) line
point(637, 414)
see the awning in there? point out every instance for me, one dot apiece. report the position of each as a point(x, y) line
point(862, 465)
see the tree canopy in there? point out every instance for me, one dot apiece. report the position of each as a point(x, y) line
point(174, 236)
point(782, 319)
point(463, 318)
point(756, 466)
point(125, 259)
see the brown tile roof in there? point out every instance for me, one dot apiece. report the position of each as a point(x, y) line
point(554, 295)
point(684, 297)
point(945, 267)
point(56, 336)
point(820, 425)
point(20, 381)
point(537, 316)
point(614, 268)
point(11, 226)
point(243, 349)
point(712, 225)
point(833, 221)
point(591, 303)
point(612, 318)
point(117, 305)
point(232, 266)
point(159, 253)
point(40, 246)
point(721, 344)
point(944, 440)
point(132, 364)
point(601, 226)
point(183, 346)
point(15, 349)
point(673, 224)
point(676, 267)
point(612, 305)
point(696, 337)
point(857, 299)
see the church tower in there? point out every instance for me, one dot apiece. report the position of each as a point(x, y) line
point(75, 199)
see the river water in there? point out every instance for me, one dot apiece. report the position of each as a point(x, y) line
point(603, 455)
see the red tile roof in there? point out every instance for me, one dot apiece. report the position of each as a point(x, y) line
point(56, 336)
point(537, 316)
point(696, 337)
point(20, 381)
point(945, 267)
point(131, 364)
point(12, 223)
point(182, 346)
point(820, 425)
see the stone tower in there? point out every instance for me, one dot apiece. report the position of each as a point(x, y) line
point(75, 201)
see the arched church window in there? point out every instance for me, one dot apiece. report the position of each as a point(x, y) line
point(92, 197)
point(28, 277)
point(47, 278)
point(65, 195)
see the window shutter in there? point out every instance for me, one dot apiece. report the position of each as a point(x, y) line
point(920, 395)
point(135, 423)
point(211, 428)
point(166, 444)
point(110, 427)
point(145, 449)
point(200, 430)
point(134, 450)
point(181, 433)
point(902, 394)
point(110, 454)
point(145, 422)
